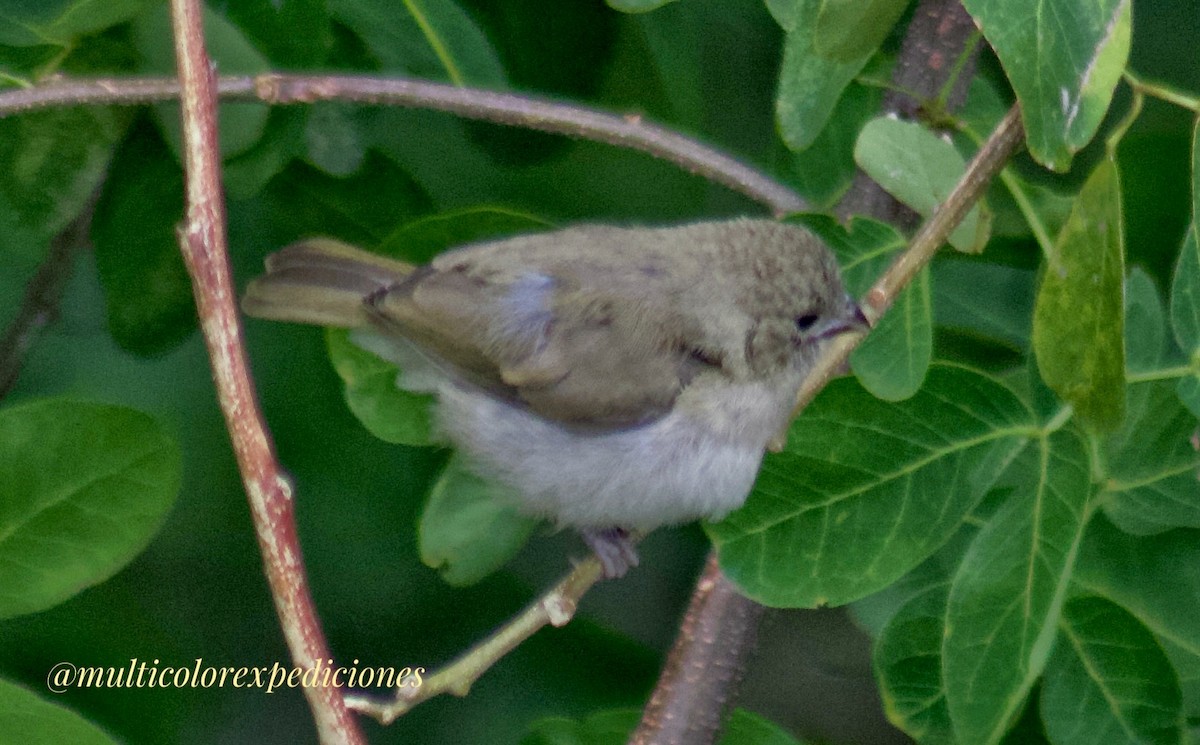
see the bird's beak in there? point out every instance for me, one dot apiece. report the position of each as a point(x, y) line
point(851, 319)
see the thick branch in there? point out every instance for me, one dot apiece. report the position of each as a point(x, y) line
point(202, 240)
point(705, 665)
point(503, 108)
point(936, 63)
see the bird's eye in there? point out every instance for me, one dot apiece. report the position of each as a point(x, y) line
point(806, 321)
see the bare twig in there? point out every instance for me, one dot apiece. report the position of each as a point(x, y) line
point(202, 240)
point(630, 132)
point(555, 608)
point(40, 303)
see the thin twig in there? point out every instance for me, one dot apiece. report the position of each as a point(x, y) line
point(202, 241)
point(995, 152)
point(555, 608)
point(39, 307)
point(630, 132)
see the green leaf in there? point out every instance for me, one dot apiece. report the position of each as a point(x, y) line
point(1063, 58)
point(810, 84)
point(30, 719)
point(1150, 463)
point(1157, 579)
point(848, 29)
point(1109, 681)
point(1185, 291)
point(865, 490)
point(146, 286)
point(311, 202)
point(83, 489)
point(825, 170)
point(602, 728)
point(1145, 323)
point(470, 527)
point(636, 6)
point(248, 173)
point(1007, 596)
point(387, 411)
point(60, 22)
point(422, 239)
point(332, 139)
point(292, 33)
point(908, 665)
point(1078, 322)
point(920, 169)
point(989, 300)
point(240, 125)
point(891, 362)
point(1152, 467)
point(1185, 317)
point(51, 162)
point(433, 39)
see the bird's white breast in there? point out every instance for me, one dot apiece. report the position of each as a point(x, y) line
point(695, 462)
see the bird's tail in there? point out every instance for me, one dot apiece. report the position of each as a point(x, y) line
point(321, 281)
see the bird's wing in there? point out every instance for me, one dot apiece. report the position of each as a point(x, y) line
point(576, 341)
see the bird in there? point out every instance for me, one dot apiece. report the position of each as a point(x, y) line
point(614, 378)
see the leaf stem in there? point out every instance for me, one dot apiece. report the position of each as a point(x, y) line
point(1032, 218)
point(1163, 92)
point(1060, 418)
point(1166, 373)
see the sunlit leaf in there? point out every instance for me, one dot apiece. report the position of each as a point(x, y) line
point(1063, 58)
point(865, 490)
point(83, 489)
point(920, 169)
point(1078, 322)
point(470, 527)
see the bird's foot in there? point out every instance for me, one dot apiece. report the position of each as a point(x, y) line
point(614, 547)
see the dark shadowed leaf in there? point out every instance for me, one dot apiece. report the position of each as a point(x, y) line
point(1109, 681)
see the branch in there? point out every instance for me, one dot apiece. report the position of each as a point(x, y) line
point(999, 147)
point(706, 663)
point(936, 63)
point(202, 241)
point(39, 307)
point(630, 132)
point(555, 608)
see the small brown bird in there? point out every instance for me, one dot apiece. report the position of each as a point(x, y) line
point(617, 379)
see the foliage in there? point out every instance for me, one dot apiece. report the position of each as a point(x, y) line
point(1006, 488)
